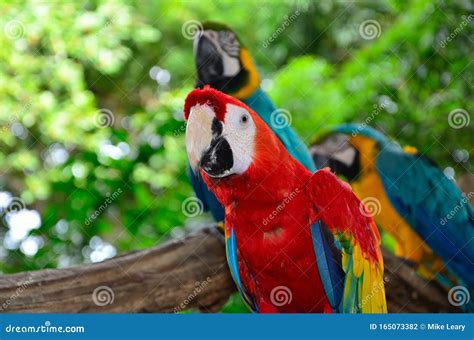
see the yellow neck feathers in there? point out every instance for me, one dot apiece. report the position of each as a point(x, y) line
point(367, 151)
point(253, 81)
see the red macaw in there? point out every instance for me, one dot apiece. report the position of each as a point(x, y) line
point(296, 241)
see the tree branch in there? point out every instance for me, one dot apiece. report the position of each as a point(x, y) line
point(191, 273)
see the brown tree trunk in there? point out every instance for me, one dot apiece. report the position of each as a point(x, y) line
point(191, 273)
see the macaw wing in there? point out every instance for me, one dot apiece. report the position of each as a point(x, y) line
point(349, 221)
point(328, 258)
point(209, 201)
point(432, 205)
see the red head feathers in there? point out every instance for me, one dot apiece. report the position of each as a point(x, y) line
point(224, 137)
point(215, 99)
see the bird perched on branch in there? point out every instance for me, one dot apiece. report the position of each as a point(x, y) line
point(223, 62)
point(432, 222)
point(296, 241)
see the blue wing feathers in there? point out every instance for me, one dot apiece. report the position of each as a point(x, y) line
point(329, 266)
point(232, 260)
point(433, 205)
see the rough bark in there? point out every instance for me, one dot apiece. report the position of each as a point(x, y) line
point(407, 292)
point(190, 273)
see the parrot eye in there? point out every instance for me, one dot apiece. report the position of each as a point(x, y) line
point(229, 43)
point(238, 118)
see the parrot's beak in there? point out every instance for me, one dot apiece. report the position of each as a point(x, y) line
point(209, 61)
point(198, 134)
point(344, 162)
point(215, 66)
point(218, 160)
point(206, 147)
point(320, 160)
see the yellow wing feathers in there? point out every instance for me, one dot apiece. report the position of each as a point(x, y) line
point(364, 284)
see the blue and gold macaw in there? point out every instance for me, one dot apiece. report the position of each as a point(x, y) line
point(225, 64)
point(426, 213)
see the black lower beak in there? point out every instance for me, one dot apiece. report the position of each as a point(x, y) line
point(321, 161)
point(339, 168)
point(208, 62)
point(218, 159)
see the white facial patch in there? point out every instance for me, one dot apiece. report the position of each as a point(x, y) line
point(198, 133)
point(239, 131)
point(228, 49)
point(345, 156)
point(337, 147)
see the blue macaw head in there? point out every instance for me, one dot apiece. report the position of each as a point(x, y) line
point(361, 130)
point(343, 148)
point(336, 152)
point(223, 62)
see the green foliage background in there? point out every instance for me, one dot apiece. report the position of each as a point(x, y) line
point(64, 66)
